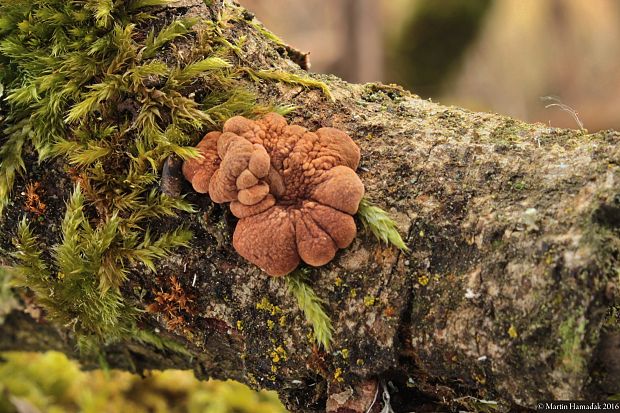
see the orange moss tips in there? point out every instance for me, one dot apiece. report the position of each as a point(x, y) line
point(174, 304)
point(33, 200)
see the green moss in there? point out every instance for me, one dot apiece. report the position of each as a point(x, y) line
point(266, 33)
point(507, 133)
point(290, 78)
point(81, 286)
point(84, 82)
point(312, 307)
point(159, 342)
point(519, 186)
point(71, 294)
point(380, 224)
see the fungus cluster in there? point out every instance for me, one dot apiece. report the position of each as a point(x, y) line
point(293, 190)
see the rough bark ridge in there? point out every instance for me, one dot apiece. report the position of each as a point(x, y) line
point(514, 237)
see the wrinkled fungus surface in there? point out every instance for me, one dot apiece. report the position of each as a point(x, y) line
point(293, 190)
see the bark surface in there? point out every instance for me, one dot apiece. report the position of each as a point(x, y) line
point(506, 294)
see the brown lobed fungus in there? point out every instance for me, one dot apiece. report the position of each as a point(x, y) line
point(293, 190)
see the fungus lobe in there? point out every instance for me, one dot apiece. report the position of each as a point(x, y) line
point(293, 190)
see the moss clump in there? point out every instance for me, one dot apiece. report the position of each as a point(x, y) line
point(88, 80)
point(81, 287)
point(289, 78)
point(111, 88)
point(92, 82)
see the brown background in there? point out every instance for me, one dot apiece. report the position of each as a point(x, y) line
point(519, 51)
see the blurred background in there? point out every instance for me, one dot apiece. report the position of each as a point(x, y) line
point(50, 383)
point(508, 56)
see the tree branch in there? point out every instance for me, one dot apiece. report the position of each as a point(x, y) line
point(510, 280)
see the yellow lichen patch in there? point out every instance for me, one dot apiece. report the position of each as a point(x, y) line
point(512, 332)
point(278, 354)
point(549, 258)
point(369, 301)
point(423, 279)
point(265, 305)
point(338, 375)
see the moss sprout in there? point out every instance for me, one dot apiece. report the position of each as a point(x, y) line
point(290, 78)
point(312, 307)
point(380, 224)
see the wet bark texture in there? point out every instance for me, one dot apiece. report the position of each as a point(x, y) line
point(514, 236)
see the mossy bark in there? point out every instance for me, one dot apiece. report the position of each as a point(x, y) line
point(507, 293)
